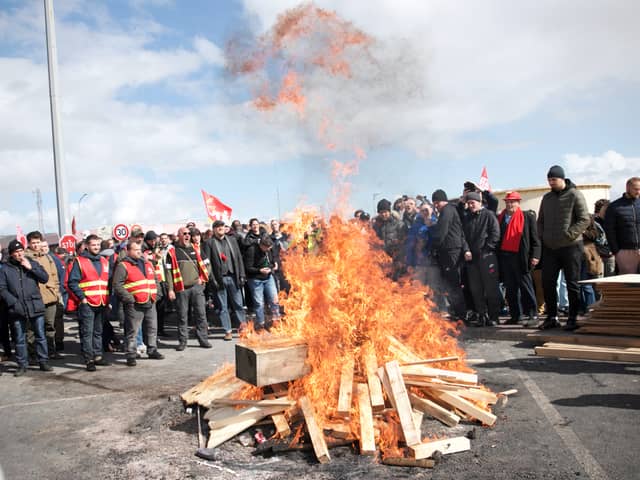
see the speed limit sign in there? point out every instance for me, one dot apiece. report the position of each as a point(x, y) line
point(121, 232)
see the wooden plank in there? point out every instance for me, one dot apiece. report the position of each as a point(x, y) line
point(317, 438)
point(464, 406)
point(436, 411)
point(345, 397)
point(506, 393)
point(257, 413)
point(281, 424)
point(367, 437)
point(588, 354)
point(401, 400)
point(384, 379)
point(584, 339)
point(275, 402)
point(202, 440)
point(261, 366)
point(338, 429)
point(409, 462)
point(400, 351)
point(218, 436)
point(418, 416)
point(478, 395)
point(433, 360)
point(461, 377)
point(446, 446)
point(375, 386)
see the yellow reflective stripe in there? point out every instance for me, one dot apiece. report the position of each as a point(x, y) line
point(93, 293)
point(93, 283)
point(136, 283)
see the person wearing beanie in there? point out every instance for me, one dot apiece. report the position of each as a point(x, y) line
point(562, 219)
point(20, 278)
point(391, 231)
point(447, 247)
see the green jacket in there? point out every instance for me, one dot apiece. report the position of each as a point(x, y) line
point(563, 217)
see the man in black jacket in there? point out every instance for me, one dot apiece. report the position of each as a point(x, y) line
point(19, 279)
point(259, 265)
point(227, 275)
point(447, 247)
point(518, 253)
point(622, 226)
point(482, 232)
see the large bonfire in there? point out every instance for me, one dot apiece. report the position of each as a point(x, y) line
point(342, 304)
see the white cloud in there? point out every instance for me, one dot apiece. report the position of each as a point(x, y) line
point(610, 167)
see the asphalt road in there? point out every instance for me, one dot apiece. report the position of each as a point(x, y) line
point(571, 419)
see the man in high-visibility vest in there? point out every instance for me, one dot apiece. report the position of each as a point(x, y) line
point(135, 284)
point(89, 283)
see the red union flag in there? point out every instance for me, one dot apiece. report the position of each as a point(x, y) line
point(484, 180)
point(20, 236)
point(216, 210)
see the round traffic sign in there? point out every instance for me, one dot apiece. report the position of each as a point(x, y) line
point(121, 232)
point(68, 242)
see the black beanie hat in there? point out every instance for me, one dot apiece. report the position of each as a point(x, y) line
point(439, 196)
point(474, 196)
point(556, 172)
point(14, 246)
point(384, 205)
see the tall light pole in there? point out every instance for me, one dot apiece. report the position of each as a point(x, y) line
point(82, 197)
point(58, 157)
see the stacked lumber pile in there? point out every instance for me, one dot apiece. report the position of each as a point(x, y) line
point(374, 399)
point(618, 312)
point(589, 352)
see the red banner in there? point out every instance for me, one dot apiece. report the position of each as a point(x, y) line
point(216, 210)
point(484, 180)
point(20, 236)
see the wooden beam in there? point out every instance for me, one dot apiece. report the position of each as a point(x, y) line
point(338, 429)
point(586, 353)
point(257, 413)
point(432, 360)
point(317, 438)
point(446, 446)
point(261, 366)
point(477, 394)
point(275, 402)
point(420, 370)
point(435, 410)
point(464, 406)
point(367, 437)
point(375, 386)
point(346, 389)
point(401, 400)
point(418, 416)
point(202, 440)
point(281, 424)
point(582, 339)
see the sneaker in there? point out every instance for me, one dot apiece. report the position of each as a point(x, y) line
point(100, 361)
point(181, 346)
point(570, 326)
point(20, 372)
point(156, 355)
point(205, 345)
point(91, 367)
point(45, 367)
point(228, 337)
point(549, 323)
point(131, 362)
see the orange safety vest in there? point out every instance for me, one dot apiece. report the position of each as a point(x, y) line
point(141, 286)
point(95, 287)
point(178, 284)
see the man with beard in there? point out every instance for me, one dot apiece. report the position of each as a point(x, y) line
point(391, 231)
point(622, 225)
point(562, 219)
point(88, 283)
point(518, 253)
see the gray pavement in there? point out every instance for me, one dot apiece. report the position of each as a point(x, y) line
point(570, 419)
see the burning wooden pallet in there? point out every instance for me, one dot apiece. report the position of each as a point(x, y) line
point(379, 407)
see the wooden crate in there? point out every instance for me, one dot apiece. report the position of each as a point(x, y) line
point(263, 366)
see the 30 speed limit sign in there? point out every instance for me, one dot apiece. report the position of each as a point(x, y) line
point(121, 232)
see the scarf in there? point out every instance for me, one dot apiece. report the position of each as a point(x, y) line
point(513, 232)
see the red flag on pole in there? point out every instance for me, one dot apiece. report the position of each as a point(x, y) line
point(73, 225)
point(20, 236)
point(484, 180)
point(216, 210)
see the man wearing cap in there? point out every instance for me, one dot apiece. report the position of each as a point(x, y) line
point(482, 232)
point(562, 219)
point(448, 243)
point(518, 253)
point(391, 231)
point(227, 275)
point(185, 273)
point(19, 288)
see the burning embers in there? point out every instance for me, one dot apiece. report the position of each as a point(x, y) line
point(359, 359)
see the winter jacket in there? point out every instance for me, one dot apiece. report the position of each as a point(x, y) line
point(19, 288)
point(482, 232)
point(622, 224)
point(419, 239)
point(448, 234)
point(51, 290)
point(530, 246)
point(120, 276)
point(255, 259)
point(212, 252)
point(563, 217)
point(392, 232)
point(75, 275)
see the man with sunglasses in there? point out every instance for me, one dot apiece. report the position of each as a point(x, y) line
point(185, 275)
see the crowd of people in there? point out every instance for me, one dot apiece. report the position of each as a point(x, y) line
point(478, 262)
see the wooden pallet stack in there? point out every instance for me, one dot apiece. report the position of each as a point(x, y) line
point(373, 400)
point(618, 311)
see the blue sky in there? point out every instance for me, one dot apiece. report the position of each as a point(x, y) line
point(150, 115)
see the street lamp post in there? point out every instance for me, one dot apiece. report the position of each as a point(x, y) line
point(82, 197)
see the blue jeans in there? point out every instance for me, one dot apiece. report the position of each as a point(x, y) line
point(20, 329)
point(236, 303)
point(261, 289)
point(90, 323)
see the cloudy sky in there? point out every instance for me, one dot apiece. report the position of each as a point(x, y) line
point(150, 114)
